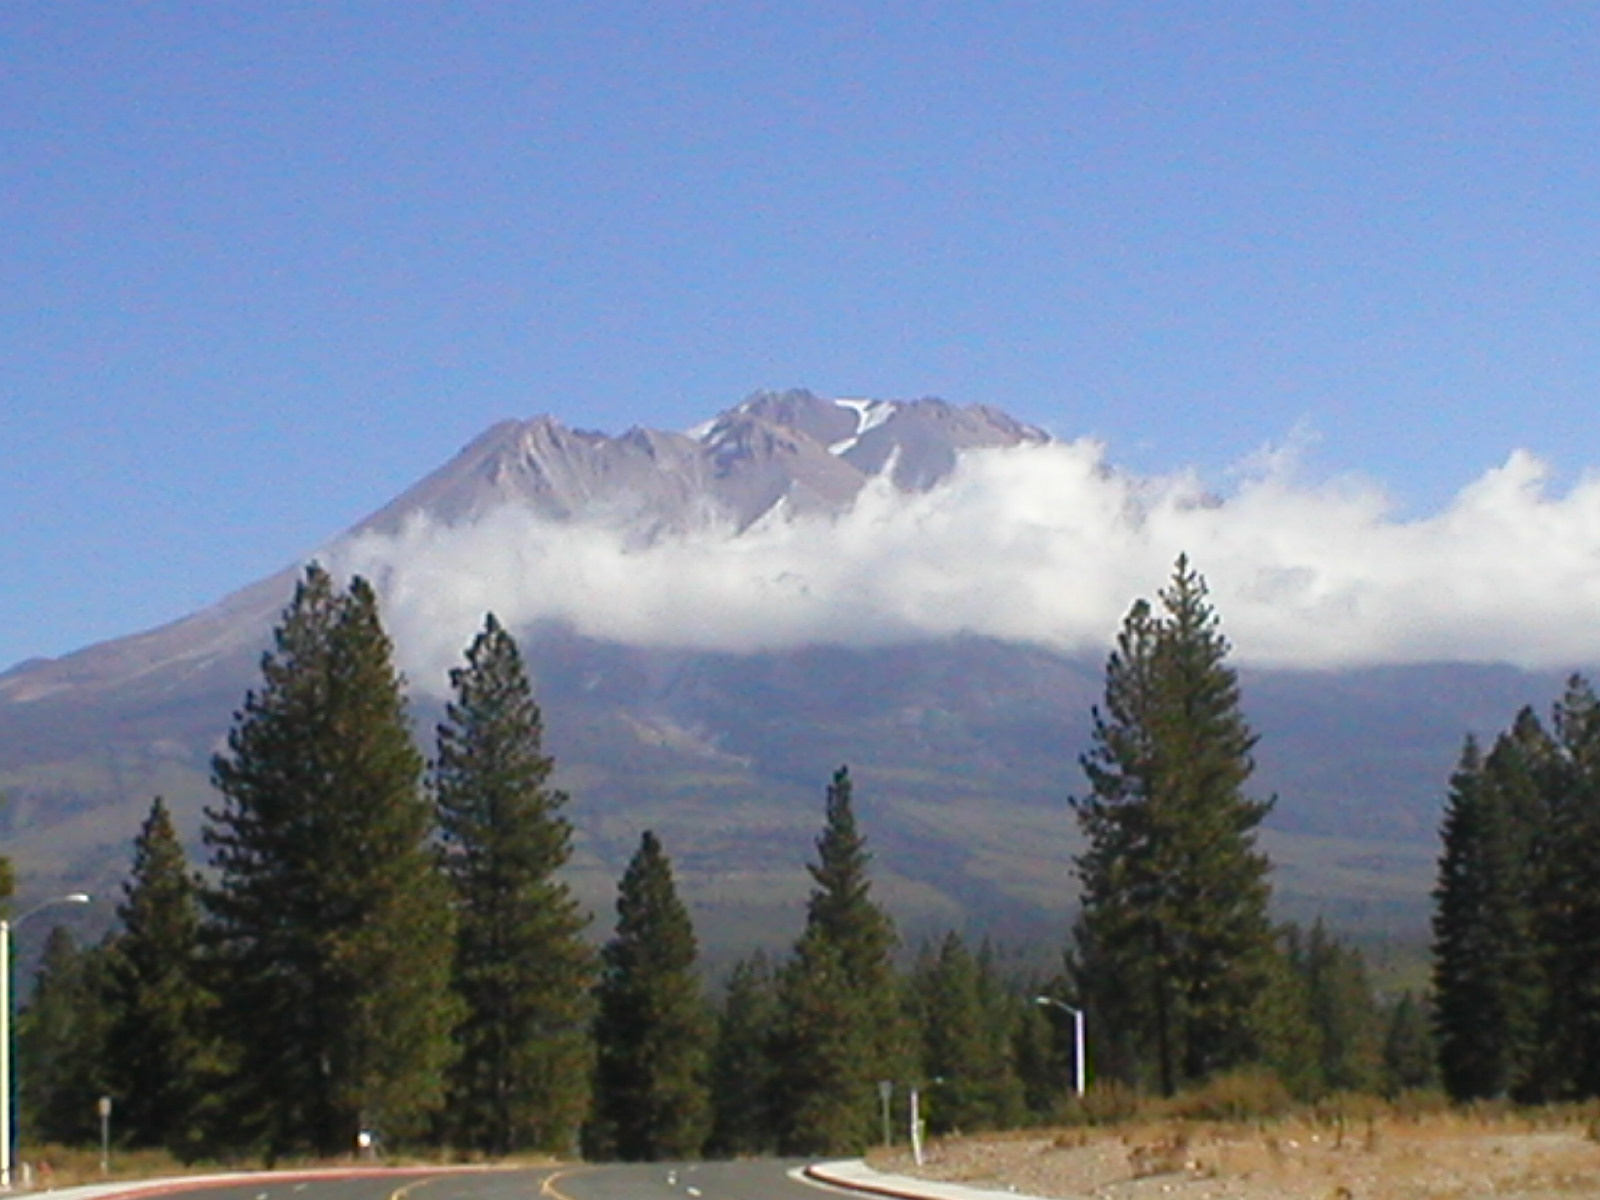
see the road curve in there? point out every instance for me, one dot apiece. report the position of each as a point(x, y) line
point(355, 1183)
point(751, 1180)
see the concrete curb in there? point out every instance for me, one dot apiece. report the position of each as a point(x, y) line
point(854, 1175)
point(133, 1187)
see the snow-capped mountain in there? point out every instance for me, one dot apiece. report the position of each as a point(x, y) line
point(777, 453)
point(964, 747)
point(791, 449)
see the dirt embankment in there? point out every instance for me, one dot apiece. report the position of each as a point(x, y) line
point(1442, 1157)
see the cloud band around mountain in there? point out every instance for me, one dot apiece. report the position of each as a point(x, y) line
point(1035, 543)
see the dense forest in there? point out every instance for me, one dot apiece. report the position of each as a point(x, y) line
point(380, 949)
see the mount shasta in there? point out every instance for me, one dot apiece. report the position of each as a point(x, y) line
point(716, 722)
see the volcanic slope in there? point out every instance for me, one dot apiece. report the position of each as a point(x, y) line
point(964, 749)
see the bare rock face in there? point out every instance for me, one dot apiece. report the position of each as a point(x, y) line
point(793, 450)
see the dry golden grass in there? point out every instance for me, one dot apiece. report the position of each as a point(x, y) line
point(1349, 1150)
point(63, 1166)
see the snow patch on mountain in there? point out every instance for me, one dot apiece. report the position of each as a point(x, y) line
point(869, 415)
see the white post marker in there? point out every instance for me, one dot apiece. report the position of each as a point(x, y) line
point(103, 1107)
point(8, 1118)
point(1078, 1049)
point(916, 1128)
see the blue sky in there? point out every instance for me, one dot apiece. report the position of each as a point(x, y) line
point(264, 265)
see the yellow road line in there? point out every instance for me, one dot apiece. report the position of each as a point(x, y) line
point(401, 1193)
point(549, 1188)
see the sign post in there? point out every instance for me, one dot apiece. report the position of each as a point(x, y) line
point(104, 1109)
point(916, 1128)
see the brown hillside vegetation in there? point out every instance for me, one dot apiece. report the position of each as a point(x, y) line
point(1436, 1156)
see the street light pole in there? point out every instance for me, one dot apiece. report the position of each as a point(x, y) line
point(8, 1117)
point(1078, 1071)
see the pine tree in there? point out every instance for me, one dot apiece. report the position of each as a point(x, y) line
point(1174, 945)
point(742, 1077)
point(1042, 1061)
point(1342, 1013)
point(1517, 911)
point(1566, 918)
point(835, 1048)
point(1002, 1009)
point(1409, 1058)
point(841, 910)
point(329, 925)
point(824, 1091)
point(965, 1028)
point(652, 1032)
point(61, 1044)
point(1524, 770)
point(1292, 1043)
point(157, 1055)
point(1479, 936)
point(522, 967)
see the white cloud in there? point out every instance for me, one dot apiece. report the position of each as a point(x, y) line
point(1043, 544)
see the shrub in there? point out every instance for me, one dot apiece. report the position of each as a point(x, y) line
point(1109, 1103)
point(1236, 1096)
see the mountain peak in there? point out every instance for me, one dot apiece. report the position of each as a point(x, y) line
point(776, 452)
point(808, 452)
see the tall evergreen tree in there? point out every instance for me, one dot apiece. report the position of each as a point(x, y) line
point(1174, 947)
point(824, 1091)
point(1525, 768)
point(61, 1044)
point(329, 924)
point(966, 1035)
point(1517, 911)
point(652, 1031)
point(1002, 1007)
point(841, 909)
point(1291, 1042)
point(742, 1077)
point(1478, 936)
point(157, 1055)
point(1042, 1059)
point(1566, 917)
point(522, 967)
point(1342, 1013)
point(829, 1063)
point(1409, 1060)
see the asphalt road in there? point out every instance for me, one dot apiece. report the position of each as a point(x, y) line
point(763, 1180)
